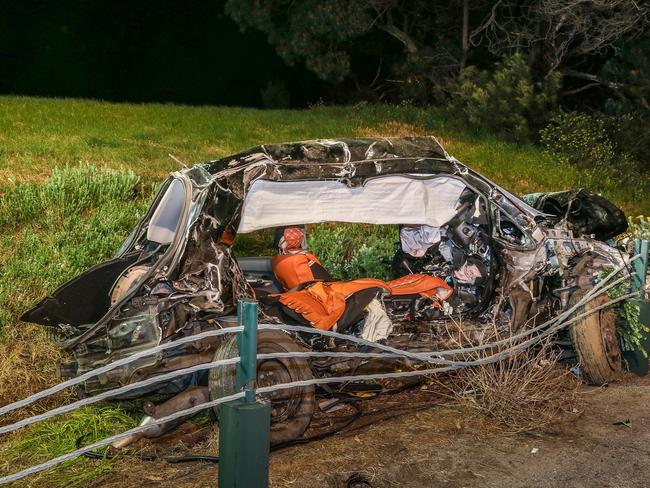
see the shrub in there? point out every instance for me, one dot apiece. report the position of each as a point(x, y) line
point(631, 135)
point(351, 251)
point(579, 139)
point(506, 100)
point(639, 227)
point(347, 251)
point(528, 391)
point(598, 145)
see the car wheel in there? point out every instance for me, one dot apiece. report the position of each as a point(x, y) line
point(595, 340)
point(291, 409)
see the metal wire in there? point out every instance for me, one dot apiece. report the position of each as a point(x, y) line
point(432, 357)
point(597, 290)
point(115, 364)
point(316, 381)
point(171, 375)
point(198, 408)
point(550, 326)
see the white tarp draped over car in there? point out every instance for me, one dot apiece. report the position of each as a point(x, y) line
point(381, 200)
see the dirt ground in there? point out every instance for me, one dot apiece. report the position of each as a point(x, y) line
point(606, 443)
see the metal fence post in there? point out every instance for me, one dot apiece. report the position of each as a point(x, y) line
point(245, 424)
point(637, 361)
point(640, 266)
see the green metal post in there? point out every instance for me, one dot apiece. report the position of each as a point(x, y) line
point(640, 266)
point(247, 345)
point(636, 361)
point(245, 424)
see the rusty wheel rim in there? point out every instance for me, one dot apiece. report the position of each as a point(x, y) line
point(284, 403)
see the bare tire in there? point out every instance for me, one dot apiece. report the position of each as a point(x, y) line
point(291, 409)
point(595, 340)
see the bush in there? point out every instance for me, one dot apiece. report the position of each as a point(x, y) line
point(631, 135)
point(639, 227)
point(506, 100)
point(579, 139)
point(598, 145)
point(347, 251)
point(351, 251)
point(525, 391)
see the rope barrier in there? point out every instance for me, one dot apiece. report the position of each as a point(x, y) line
point(551, 326)
point(169, 376)
point(597, 290)
point(115, 364)
point(432, 357)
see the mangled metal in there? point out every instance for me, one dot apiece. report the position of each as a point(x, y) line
point(506, 259)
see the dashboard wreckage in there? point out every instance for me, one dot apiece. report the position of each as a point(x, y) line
point(470, 252)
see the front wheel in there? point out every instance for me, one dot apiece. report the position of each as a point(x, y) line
point(292, 408)
point(595, 340)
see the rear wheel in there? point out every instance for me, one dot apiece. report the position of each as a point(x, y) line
point(595, 340)
point(291, 409)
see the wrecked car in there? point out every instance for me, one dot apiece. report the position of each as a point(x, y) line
point(469, 251)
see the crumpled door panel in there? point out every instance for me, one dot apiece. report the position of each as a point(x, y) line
point(82, 300)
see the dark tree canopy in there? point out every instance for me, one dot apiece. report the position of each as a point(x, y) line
point(422, 44)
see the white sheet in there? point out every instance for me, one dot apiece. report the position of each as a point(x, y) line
point(384, 200)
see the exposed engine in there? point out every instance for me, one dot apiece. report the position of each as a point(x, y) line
point(463, 256)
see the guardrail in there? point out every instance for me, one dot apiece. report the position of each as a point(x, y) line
point(244, 421)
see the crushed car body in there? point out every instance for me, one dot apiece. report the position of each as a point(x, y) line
point(503, 258)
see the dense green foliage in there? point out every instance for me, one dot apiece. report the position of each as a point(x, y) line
point(504, 66)
point(418, 49)
point(507, 100)
point(351, 251)
point(598, 145)
point(581, 139)
point(347, 251)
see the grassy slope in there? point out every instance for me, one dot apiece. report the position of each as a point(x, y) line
point(39, 134)
point(52, 226)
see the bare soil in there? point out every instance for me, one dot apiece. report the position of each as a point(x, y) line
point(605, 443)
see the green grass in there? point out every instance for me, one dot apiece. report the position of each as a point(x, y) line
point(37, 135)
point(75, 176)
point(44, 441)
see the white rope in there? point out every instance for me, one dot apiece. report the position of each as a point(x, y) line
point(198, 408)
point(316, 381)
point(431, 357)
point(171, 375)
point(555, 324)
point(115, 364)
point(422, 357)
point(597, 290)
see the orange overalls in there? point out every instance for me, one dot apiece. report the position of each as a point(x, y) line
point(295, 269)
point(323, 302)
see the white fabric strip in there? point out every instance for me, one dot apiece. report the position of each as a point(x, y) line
point(383, 200)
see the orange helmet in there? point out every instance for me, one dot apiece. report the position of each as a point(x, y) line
point(293, 239)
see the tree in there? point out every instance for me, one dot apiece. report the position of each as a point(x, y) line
point(422, 46)
point(424, 37)
point(560, 34)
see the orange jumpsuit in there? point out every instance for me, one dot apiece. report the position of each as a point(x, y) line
point(323, 302)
